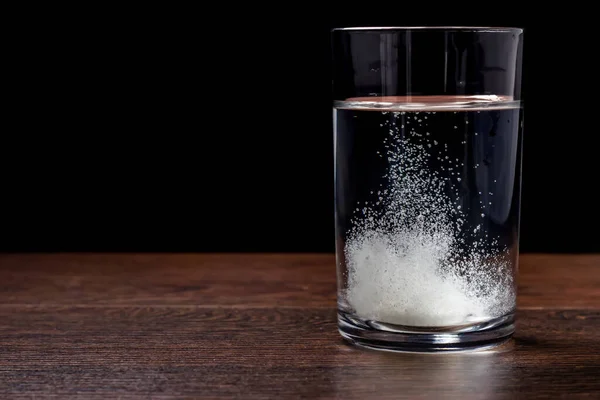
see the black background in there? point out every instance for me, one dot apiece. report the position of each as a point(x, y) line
point(191, 130)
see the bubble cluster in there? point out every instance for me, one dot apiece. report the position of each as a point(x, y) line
point(415, 256)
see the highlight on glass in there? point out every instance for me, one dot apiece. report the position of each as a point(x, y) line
point(427, 133)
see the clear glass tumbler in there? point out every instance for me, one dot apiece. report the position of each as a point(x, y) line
point(428, 131)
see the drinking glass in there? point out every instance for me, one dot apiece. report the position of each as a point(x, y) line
point(427, 136)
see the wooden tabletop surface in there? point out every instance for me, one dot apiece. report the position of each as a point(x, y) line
point(166, 326)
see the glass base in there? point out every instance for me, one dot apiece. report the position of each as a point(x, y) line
point(382, 336)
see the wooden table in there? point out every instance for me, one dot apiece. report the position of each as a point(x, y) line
point(264, 326)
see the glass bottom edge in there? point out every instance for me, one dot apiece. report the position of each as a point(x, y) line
point(477, 337)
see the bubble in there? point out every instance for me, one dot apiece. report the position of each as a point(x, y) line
point(388, 239)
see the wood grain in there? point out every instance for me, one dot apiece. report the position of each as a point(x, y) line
point(252, 280)
point(559, 281)
point(264, 326)
point(275, 353)
point(247, 280)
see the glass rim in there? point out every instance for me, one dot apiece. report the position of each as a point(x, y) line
point(496, 29)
